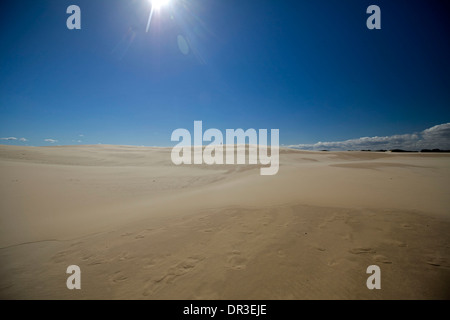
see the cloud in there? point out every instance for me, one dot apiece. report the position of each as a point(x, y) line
point(14, 139)
point(437, 137)
point(50, 140)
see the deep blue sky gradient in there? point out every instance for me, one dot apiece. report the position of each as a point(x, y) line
point(309, 68)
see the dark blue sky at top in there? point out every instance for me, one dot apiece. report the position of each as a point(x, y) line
point(309, 68)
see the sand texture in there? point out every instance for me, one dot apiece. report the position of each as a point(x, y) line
point(140, 227)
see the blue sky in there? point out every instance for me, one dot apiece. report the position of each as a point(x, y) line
point(309, 68)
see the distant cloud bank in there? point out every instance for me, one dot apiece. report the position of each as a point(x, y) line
point(14, 139)
point(437, 137)
point(50, 140)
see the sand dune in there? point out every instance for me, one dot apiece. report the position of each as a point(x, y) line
point(140, 227)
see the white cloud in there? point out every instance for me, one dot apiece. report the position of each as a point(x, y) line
point(81, 135)
point(14, 139)
point(50, 140)
point(437, 137)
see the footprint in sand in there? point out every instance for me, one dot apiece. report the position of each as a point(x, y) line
point(171, 275)
point(118, 277)
point(402, 244)
point(127, 234)
point(382, 259)
point(347, 237)
point(236, 261)
point(96, 262)
point(123, 256)
point(86, 257)
point(397, 243)
point(362, 250)
point(332, 263)
point(437, 262)
point(151, 261)
point(281, 254)
point(76, 244)
point(61, 256)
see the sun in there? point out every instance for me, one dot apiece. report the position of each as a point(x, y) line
point(157, 4)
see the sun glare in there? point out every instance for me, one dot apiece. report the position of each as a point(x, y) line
point(157, 4)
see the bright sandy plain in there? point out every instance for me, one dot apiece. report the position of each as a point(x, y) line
point(140, 227)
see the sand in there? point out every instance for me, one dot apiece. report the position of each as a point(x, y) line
point(140, 227)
